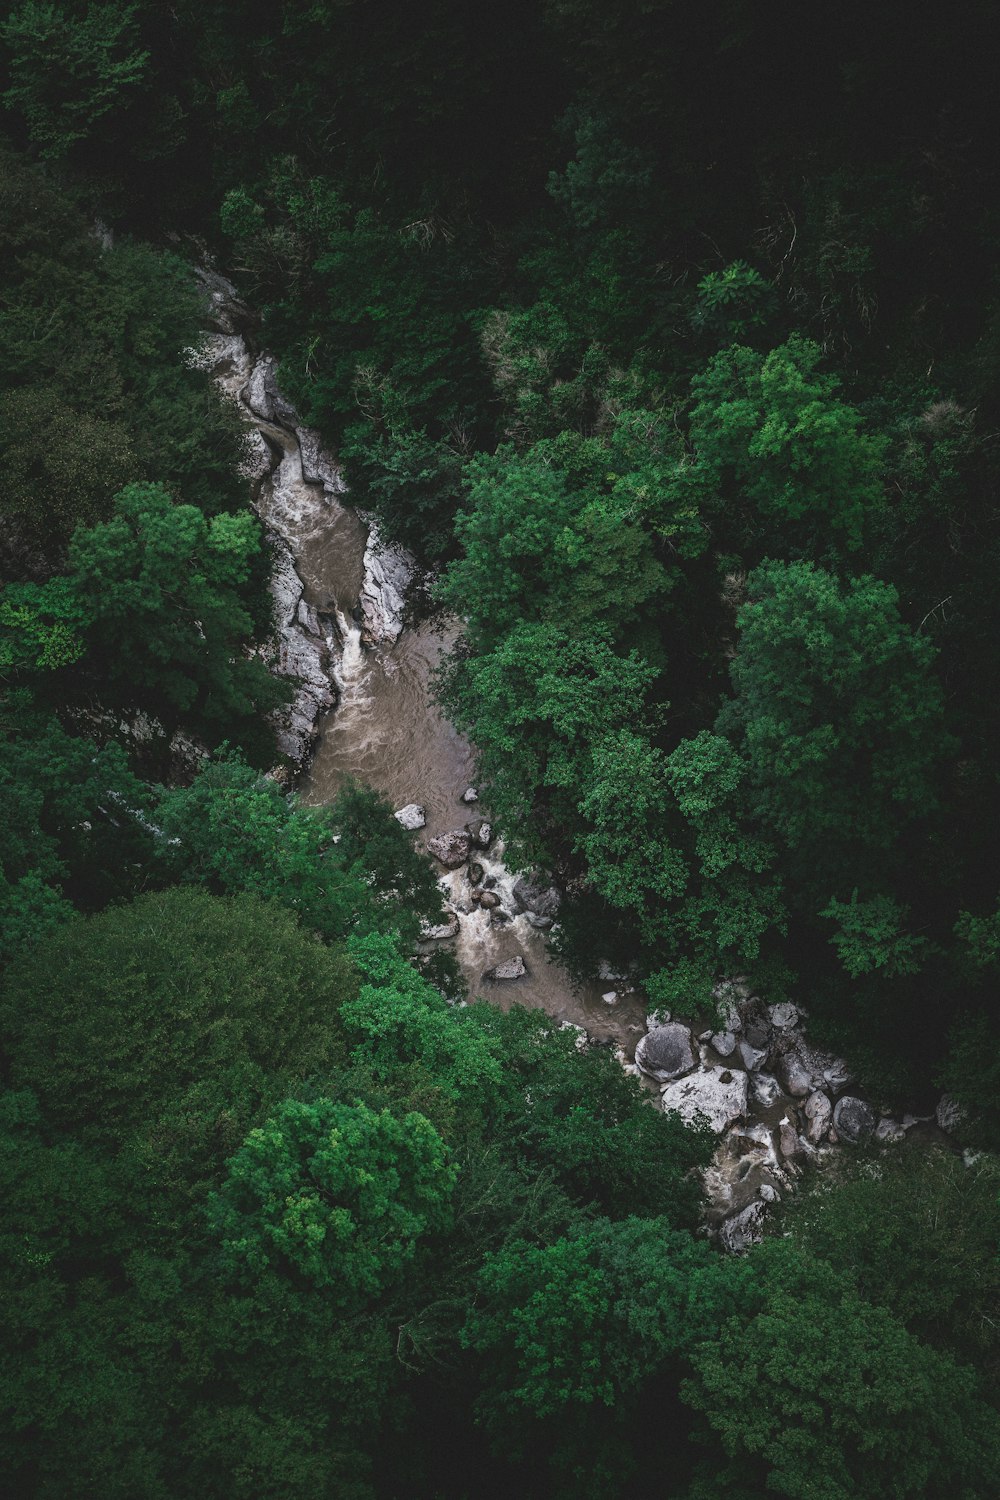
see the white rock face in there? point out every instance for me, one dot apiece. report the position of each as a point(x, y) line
point(302, 649)
point(717, 1093)
point(412, 817)
point(388, 572)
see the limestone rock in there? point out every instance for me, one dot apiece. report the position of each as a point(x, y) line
point(470, 794)
point(480, 832)
point(488, 900)
point(452, 849)
point(610, 997)
point(666, 1052)
point(818, 1113)
point(791, 1144)
point(542, 923)
point(769, 1194)
point(412, 817)
point(717, 1093)
point(889, 1132)
point(744, 1229)
point(724, 1043)
point(511, 968)
point(853, 1120)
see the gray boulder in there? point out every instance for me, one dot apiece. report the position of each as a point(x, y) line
point(818, 1112)
point(452, 849)
point(724, 1043)
point(489, 900)
point(740, 1231)
point(412, 817)
point(754, 1048)
point(542, 923)
point(532, 896)
point(666, 1052)
point(854, 1120)
point(783, 1016)
point(470, 794)
point(480, 832)
point(511, 968)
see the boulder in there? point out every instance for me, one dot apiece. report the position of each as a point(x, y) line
point(819, 1113)
point(783, 1016)
point(489, 900)
point(470, 794)
point(803, 1069)
point(511, 968)
point(889, 1132)
point(724, 1043)
point(452, 849)
point(666, 1052)
point(532, 896)
point(789, 1141)
point(480, 832)
point(412, 817)
point(476, 872)
point(717, 1093)
point(765, 1089)
point(610, 997)
point(769, 1194)
point(740, 1231)
point(447, 929)
point(854, 1120)
point(542, 923)
point(753, 1054)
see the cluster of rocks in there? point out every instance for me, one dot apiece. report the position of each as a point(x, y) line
point(476, 884)
point(776, 1101)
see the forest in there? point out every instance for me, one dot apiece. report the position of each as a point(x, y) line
point(666, 340)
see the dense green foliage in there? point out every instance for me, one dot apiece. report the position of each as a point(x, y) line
point(670, 338)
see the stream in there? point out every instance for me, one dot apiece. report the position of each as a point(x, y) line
point(367, 710)
point(364, 708)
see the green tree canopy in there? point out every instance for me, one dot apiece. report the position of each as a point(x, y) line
point(338, 1193)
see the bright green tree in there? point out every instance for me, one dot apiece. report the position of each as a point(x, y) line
point(338, 1194)
point(779, 459)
